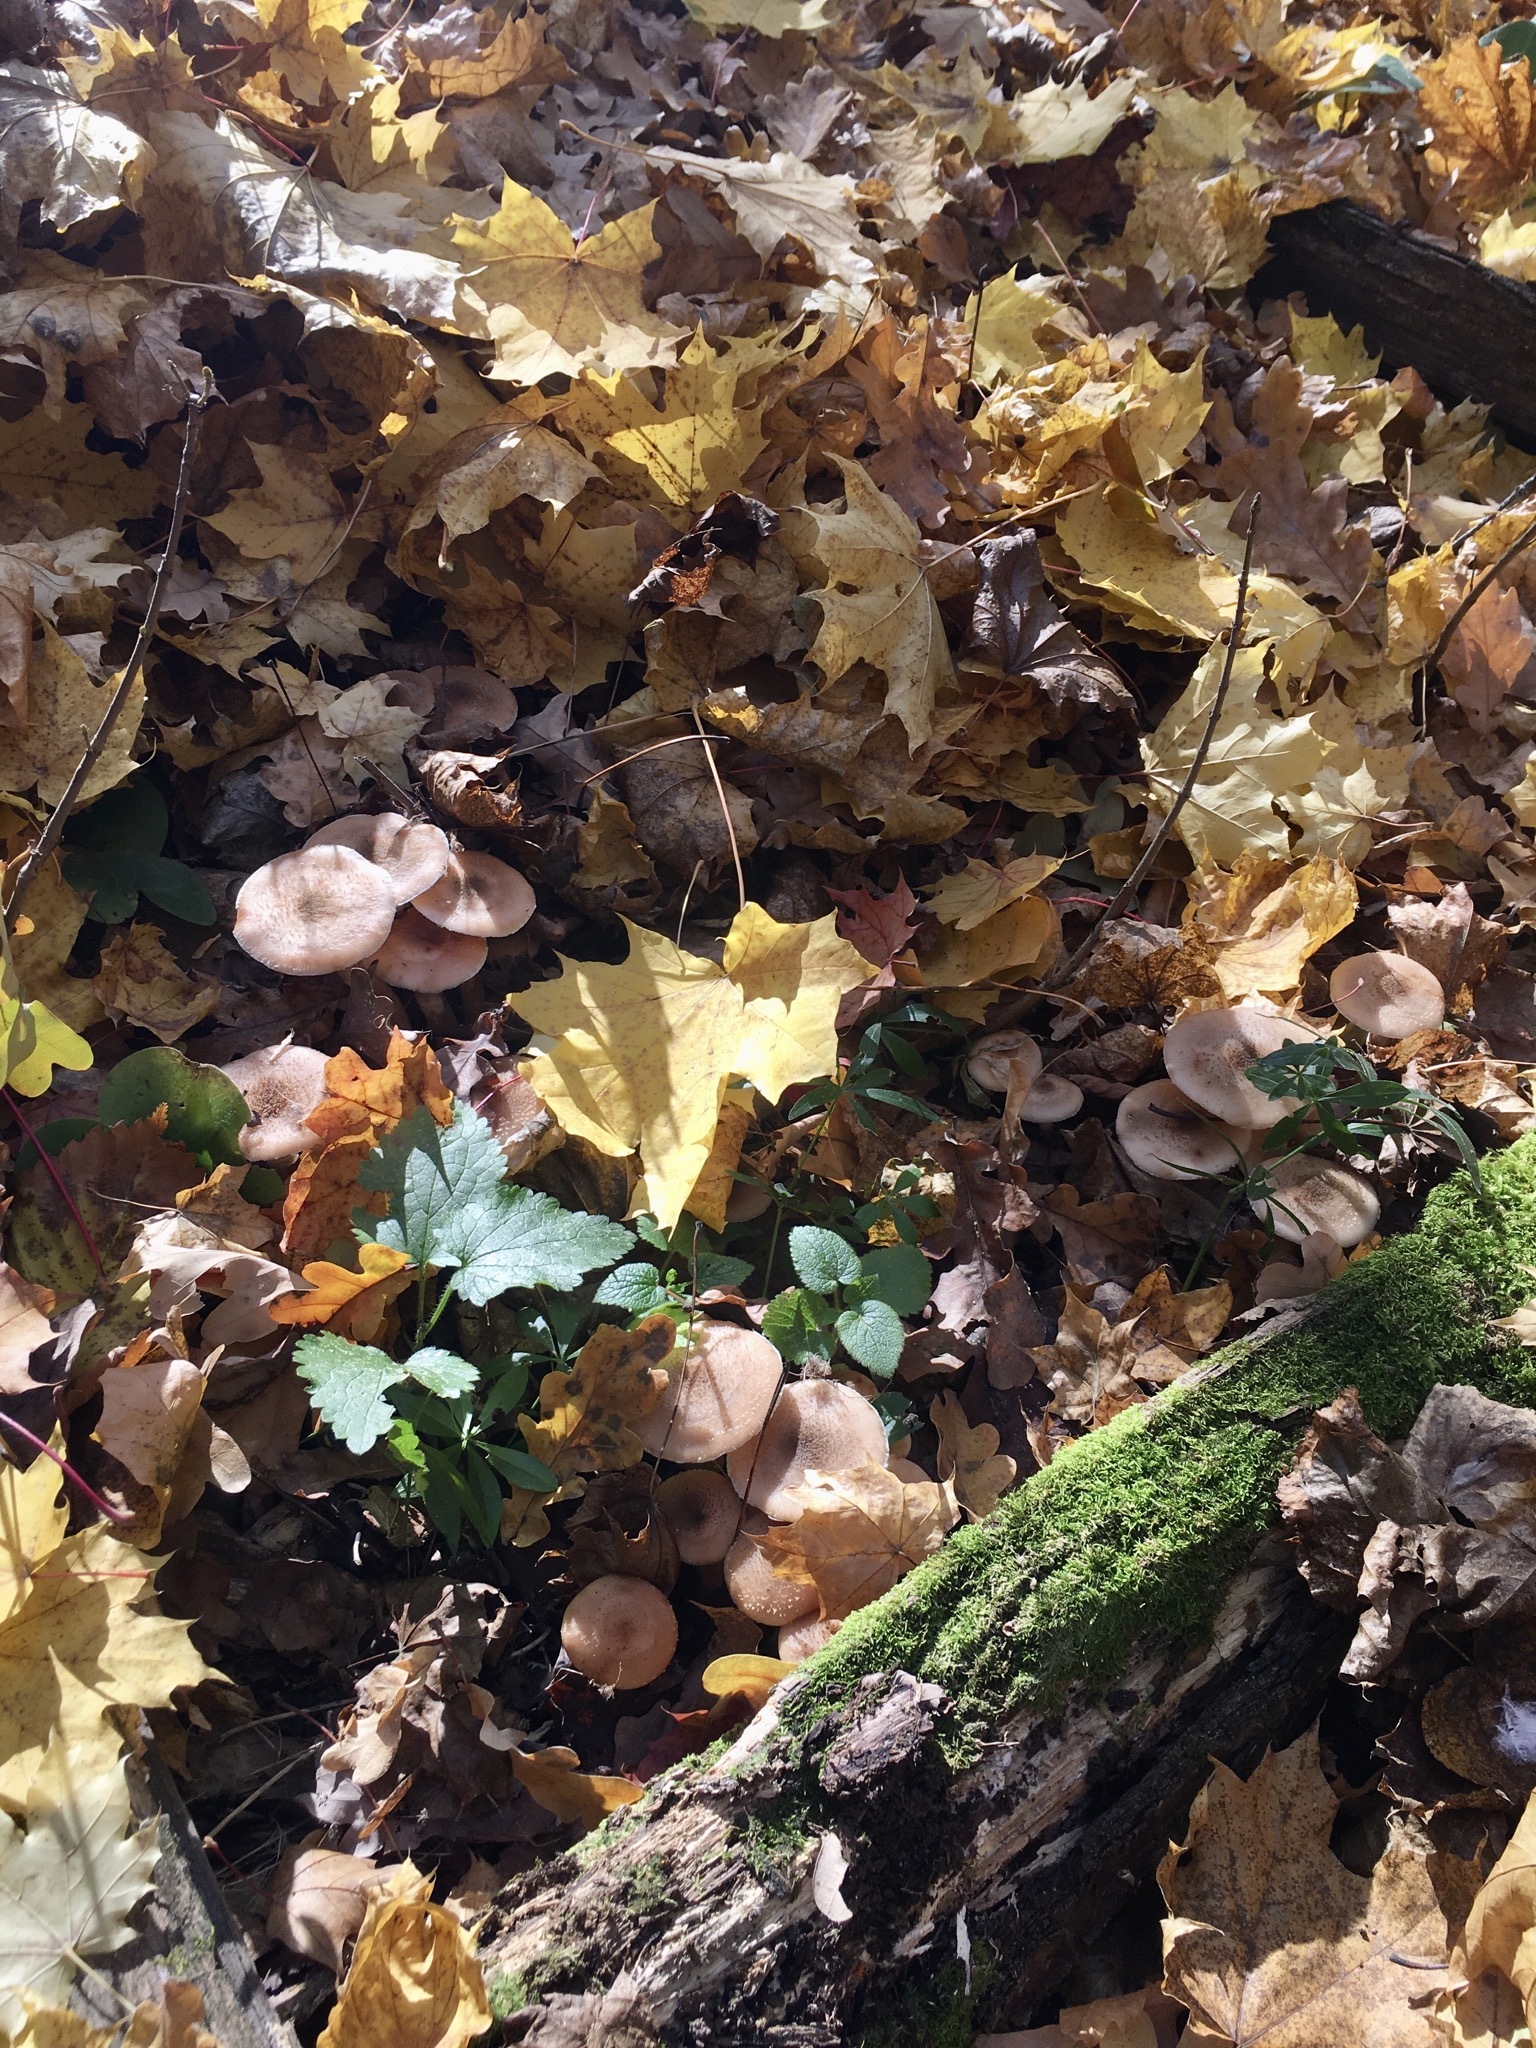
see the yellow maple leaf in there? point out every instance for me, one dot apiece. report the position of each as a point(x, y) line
point(554, 1777)
point(699, 442)
point(857, 1533)
point(304, 45)
point(875, 602)
point(1261, 923)
point(66, 708)
point(980, 890)
point(637, 1056)
point(139, 980)
point(1007, 323)
point(415, 1980)
point(1482, 114)
point(764, 17)
point(1052, 121)
point(295, 511)
point(552, 303)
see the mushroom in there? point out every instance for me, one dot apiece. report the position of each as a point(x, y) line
point(1163, 1134)
point(758, 1590)
point(281, 1085)
point(815, 1426)
point(717, 1398)
point(1387, 995)
point(421, 955)
point(411, 852)
point(703, 1513)
point(315, 911)
point(801, 1639)
point(1313, 1195)
point(1051, 1100)
point(620, 1631)
point(480, 895)
point(1207, 1054)
point(993, 1057)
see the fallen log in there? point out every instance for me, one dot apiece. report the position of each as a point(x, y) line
point(1022, 1719)
point(1466, 330)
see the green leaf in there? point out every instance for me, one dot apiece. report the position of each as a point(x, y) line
point(635, 1289)
point(1515, 39)
point(114, 855)
point(871, 1332)
point(442, 1492)
point(442, 1372)
point(507, 1389)
point(822, 1259)
point(54, 1045)
point(799, 1323)
point(715, 1269)
point(451, 1207)
point(521, 1468)
point(206, 1111)
point(482, 1498)
point(349, 1384)
point(901, 1277)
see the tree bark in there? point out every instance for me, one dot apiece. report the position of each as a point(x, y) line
point(1003, 1745)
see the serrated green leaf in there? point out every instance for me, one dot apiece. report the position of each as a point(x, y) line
point(716, 1269)
point(871, 1332)
point(900, 1276)
point(442, 1372)
point(635, 1289)
point(822, 1259)
point(799, 1323)
point(349, 1384)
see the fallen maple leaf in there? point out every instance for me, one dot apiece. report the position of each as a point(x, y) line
point(1273, 1939)
point(415, 1980)
point(968, 1457)
point(1499, 1936)
point(319, 1897)
point(1482, 115)
point(857, 1533)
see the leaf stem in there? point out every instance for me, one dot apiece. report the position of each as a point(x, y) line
point(58, 1180)
point(112, 1514)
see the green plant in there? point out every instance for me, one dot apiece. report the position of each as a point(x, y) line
point(688, 1267)
point(1366, 1110)
point(847, 1299)
point(883, 1054)
point(454, 1461)
point(113, 855)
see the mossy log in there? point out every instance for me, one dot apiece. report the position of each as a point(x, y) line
point(1004, 1741)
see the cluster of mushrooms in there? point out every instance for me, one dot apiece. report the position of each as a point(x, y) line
point(1208, 1118)
point(388, 890)
point(746, 1439)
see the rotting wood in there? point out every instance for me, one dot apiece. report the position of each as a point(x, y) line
point(1090, 1646)
point(1468, 332)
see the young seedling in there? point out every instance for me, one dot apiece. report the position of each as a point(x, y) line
point(848, 1300)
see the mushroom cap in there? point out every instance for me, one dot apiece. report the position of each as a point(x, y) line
point(703, 1512)
point(478, 894)
point(722, 1385)
point(1317, 1195)
point(815, 1426)
point(801, 1639)
point(620, 1631)
point(1052, 1098)
point(1161, 1132)
point(991, 1057)
point(1387, 994)
point(420, 955)
point(314, 911)
point(1208, 1052)
point(411, 852)
point(758, 1590)
point(281, 1085)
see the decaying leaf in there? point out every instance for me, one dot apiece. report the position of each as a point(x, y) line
point(858, 1532)
point(414, 1977)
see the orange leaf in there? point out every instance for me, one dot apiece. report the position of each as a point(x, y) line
point(857, 1533)
point(375, 1099)
point(753, 1677)
point(552, 1777)
point(322, 1193)
point(349, 1304)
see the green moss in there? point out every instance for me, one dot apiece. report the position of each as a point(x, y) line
point(937, 2010)
point(650, 1888)
point(1134, 1532)
point(772, 1843)
point(507, 1991)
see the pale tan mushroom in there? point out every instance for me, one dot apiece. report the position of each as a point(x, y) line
point(1208, 1052)
point(801, 1639)
point(721, 1386)
point(1316, 1195)
point(411, 852)
point(758, 1590)
point(703, 1512)
point(480, 895)
point(994, 1058)
point(1387, 995)
point(315, 911)
point(1163, 1134)
point(281, 1085)
point(816, 1425)
point(620, 1631)
point(1051, 1100)
point(421, 955)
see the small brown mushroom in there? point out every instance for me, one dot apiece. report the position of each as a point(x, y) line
point(801, 1639)
point(1387, 995)
point(1051, 1100)
point(722, 1384)
point(421, 955)
point(281, 1085)
point(703, 1512)
point(411, 852)
point(315, 911)
point(994, 1057)
point(1313, 1195)
point(758, 1590)
point(1208, 1052)
point(1163, 1134)
point(480, 895)
point(815, 1426)
point(620, 1631)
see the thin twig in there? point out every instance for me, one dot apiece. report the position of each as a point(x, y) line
point(49, 1166)
point(53, 831)
point(1143, 867)
point(725, 809)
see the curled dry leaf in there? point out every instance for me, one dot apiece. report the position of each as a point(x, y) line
point(319, 1897)
point(414, 1979)
point(554, 1777)
point(350, 1304)
point(857, 1533)
point(968, 1457)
